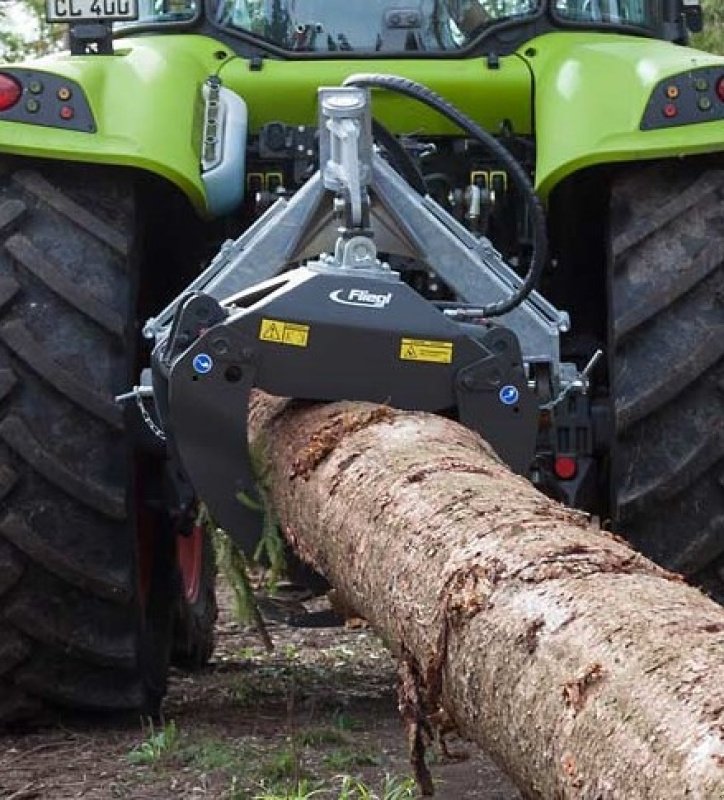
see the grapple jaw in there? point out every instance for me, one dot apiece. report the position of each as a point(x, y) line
point(321, 335)
point(343, 327)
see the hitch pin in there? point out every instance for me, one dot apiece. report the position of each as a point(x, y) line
point(582, 382)
point(579, 384)
point(135, 394)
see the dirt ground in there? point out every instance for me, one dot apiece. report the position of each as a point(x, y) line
point(252, 725)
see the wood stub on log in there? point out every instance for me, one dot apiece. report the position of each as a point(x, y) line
point(584, 669)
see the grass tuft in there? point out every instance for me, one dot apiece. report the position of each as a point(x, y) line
point(157, 744)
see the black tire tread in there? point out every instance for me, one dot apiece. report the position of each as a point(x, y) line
point(19, 339)
point(87, 578)
point(11, 211)
point(32, 613)
point(45, 270)
point(11, 569)
point(76, 213)
point(17, 435)
point(13, 649)
point(668, 364)
point(69, 624)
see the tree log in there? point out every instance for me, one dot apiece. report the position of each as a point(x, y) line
point(585, 670)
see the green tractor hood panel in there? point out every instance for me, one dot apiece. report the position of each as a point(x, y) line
point(601, 98)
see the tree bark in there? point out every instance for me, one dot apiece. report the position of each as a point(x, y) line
point(584, 669)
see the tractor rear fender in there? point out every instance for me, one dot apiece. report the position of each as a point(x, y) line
point(147, 104)
point(593, 91)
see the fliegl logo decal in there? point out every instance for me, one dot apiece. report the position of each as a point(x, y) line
point(361, 298)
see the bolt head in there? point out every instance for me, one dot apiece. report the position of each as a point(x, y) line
point(220, 346)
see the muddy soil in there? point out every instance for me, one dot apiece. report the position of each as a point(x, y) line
point(321, 707)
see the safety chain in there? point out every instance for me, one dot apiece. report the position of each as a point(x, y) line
point(137, 394)
point(155, 429)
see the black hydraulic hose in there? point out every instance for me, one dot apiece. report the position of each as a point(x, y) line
point(400, 157)
point(520, 178)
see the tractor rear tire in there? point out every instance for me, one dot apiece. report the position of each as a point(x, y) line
point(89, 584)
point(667, 329)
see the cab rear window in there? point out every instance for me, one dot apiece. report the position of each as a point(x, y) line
point(328, 26)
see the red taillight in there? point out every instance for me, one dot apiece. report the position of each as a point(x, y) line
point(565, 467)
point(670, 110)
point(10, 92)
point(720, 88)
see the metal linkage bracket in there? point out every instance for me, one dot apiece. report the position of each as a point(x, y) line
point(401, 222)
point(345, 147)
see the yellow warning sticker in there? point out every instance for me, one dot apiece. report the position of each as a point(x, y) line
point(425, 350)
point(274, 330)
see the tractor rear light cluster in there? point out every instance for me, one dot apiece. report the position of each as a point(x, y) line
point(10, 91)
point(689, 98)
point(42, 98)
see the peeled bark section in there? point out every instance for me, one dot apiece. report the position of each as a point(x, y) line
point(584, 669)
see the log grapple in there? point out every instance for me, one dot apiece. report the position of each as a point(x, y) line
point(302, 306)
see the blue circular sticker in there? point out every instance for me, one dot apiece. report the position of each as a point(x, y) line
point(203, 363)
point(509, 395)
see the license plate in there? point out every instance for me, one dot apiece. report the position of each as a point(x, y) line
point(85, 10)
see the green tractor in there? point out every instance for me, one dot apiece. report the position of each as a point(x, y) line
point(171, 127)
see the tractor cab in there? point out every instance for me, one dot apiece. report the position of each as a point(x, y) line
point(318, 28)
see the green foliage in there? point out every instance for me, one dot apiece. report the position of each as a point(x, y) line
point(301, 792)
point(348, 759)
point(157, 744)
point(232, 563)
point(325, 735)
point(712, 37)
point(211, 754)
point(270, 550)
point(393, 788)
point(268, 558)
point(282, 766)
point(31, 36)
